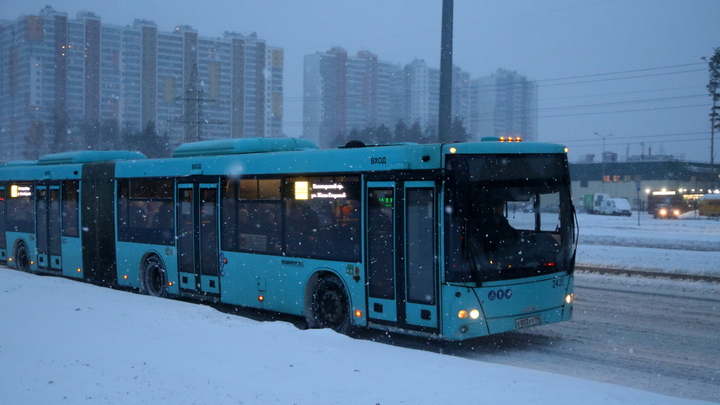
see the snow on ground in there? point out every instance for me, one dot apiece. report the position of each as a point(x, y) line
point(63, 341)
point(67, 342)
point(689, 245)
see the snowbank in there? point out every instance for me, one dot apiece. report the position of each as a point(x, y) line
point(63, 341)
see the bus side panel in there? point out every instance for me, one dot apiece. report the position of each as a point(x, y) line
point(282, 282)
point(131, 256)
point(97, 216)
point(248, 276)
point(72, 257)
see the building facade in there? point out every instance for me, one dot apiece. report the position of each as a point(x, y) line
point(635, 179)
point(344, 93)
point(78, 83)
point(504, 104)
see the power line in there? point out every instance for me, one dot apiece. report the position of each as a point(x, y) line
point(622, 111)
point(621, 72)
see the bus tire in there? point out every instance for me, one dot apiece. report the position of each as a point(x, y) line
point(331, 305)
point(153, 277)
point(22, 261)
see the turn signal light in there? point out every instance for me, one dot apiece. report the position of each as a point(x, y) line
point(358, 314)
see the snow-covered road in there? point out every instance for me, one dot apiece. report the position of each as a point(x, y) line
point(656, 335)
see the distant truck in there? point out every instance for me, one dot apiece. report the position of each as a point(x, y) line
point(603, 204)
point(709, 205)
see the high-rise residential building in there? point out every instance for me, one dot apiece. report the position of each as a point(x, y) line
point(79, 83)
point(422, 94)
point(342, 93)
point(504, 104)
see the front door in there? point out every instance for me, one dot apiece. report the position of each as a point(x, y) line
point(401, 254)
point(198, 260)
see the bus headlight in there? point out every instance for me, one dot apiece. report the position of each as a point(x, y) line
point(569, 298)
point(473, 313)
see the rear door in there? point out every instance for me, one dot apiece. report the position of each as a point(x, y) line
point(198, 253)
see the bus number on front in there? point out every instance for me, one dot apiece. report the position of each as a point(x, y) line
point(558, 282)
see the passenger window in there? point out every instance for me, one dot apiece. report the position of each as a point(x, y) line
point(70, 209)
point(146, 211)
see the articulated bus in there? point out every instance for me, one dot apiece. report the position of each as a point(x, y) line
point(452, 241)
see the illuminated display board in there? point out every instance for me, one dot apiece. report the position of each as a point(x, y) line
point(308, 190)
point(20, 191)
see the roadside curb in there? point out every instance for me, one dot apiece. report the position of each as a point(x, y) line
point(649, 273)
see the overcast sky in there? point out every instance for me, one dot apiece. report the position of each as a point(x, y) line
point(630, 68)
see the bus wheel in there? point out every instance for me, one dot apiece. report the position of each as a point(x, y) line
point(154, 277)
point(331, 306)
point(22, 262)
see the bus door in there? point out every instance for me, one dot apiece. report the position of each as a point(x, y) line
point(47, 208)
point(197, 244)
point(401, 254)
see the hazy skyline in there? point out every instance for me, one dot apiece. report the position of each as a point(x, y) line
point(630, 68)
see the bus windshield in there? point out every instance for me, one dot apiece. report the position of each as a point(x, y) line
point(507, 217)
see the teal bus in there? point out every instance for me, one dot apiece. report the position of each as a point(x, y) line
point(452, 241)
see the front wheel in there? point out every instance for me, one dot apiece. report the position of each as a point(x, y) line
point(154, 277)
point(331, 306)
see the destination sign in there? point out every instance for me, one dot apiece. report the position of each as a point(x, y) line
point(309, 191)
point(20, 191)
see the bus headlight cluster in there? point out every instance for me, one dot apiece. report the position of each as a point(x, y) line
point(473, 314)
point(569, 298)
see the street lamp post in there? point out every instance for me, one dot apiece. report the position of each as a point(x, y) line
point(602, 158)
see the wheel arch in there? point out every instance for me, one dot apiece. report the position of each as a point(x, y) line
point(311, 285)
point(141, 267)
point(13, 257)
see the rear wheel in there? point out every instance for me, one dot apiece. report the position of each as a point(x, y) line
point(22, 261)
point(154, 277)
point(331, 306)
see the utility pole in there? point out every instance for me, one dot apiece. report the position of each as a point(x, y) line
point(446, 66)
point(602, 158)
point(193, 100)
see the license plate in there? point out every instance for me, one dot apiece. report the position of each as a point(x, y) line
point(527, 322)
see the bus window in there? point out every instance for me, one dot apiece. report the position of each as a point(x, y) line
point(509, 217)
point(146, 211)
point(54, 221)
point(251, 215)
point(420, 227)
point(20, 208)
point(70, 209)
point(381, 242)
point(322, 218)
